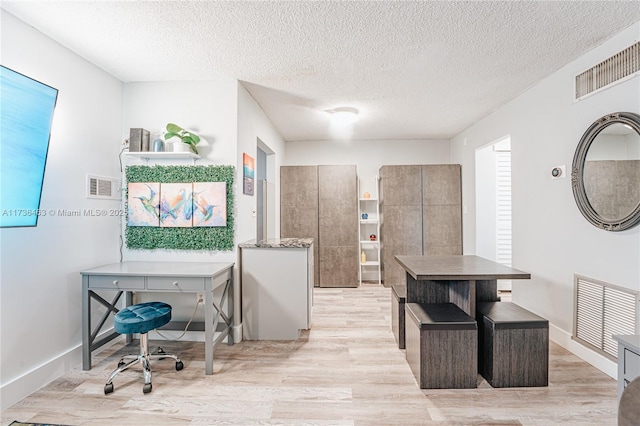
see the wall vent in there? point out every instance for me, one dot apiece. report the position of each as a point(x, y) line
point(601, 311)
point(102, 187)
point(617, 68)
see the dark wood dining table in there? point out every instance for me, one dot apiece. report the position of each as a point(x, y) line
point(460, 279)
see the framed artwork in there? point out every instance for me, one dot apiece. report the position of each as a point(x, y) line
point(248, 167)
point(143, 204)
point(210, 204)
point(176, 205)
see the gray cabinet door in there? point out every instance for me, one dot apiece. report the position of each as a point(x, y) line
point(299, 205)
point(401, 185)
point(442, 209)
point(321, 202)
point(299, 186)
point(421, 214)
point(401, 218)
point(338, 226)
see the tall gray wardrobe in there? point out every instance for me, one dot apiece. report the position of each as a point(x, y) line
point(320, 202)
point(420, 214)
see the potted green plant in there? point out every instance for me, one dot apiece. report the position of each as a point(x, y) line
point(189, 138)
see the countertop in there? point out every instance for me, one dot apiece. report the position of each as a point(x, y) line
point(278, 243)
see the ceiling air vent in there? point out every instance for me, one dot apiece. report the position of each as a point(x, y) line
point(102, 187)
point(617, 68)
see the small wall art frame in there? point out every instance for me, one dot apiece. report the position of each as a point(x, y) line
point(248, 174)
point(179, 207)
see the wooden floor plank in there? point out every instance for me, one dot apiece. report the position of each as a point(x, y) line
point(345, 371)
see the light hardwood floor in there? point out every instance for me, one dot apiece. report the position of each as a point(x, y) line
point(347, 370)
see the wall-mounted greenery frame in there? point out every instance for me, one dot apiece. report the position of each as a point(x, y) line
point(209, 238)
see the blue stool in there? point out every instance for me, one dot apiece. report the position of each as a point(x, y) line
point(141, 318)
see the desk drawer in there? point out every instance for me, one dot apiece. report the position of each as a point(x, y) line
point(631, 364)
point(115, 282)
point(175, 283)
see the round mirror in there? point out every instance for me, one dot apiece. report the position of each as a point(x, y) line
point(606, 172)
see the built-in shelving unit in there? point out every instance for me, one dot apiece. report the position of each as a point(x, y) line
point(369, 236)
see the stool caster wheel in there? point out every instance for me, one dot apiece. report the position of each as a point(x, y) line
point(161, 352)
point(121, 363)
point(146, 388)
point(108, 388)
point(179, 365)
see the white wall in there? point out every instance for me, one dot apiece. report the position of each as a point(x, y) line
point(40, 284)
point(485, 190)
point(551, 239)
point(230, 122)
point(208, 108)
point(253, 125)
point(368, 156)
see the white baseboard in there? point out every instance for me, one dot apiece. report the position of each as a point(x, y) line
point(600, 362)
point(26, 384)
point(237, 333)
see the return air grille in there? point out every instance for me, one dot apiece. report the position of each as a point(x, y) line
point(102, 187)
point(602, 310)
point(621, 65)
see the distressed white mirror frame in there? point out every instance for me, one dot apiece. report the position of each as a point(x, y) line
point(631, 219)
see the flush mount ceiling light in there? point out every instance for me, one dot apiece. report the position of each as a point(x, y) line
point(343, 115)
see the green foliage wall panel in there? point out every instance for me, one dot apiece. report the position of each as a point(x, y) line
point(205, 238)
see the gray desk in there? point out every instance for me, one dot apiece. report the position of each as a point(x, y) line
point(159, 277)
point(463, 280)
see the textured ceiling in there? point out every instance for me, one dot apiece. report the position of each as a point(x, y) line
point(415, 70)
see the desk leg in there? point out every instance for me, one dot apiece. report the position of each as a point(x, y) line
point(90, 340)
point(86, 325)
point(208, 328)
point(230, 302)
point(128, 301)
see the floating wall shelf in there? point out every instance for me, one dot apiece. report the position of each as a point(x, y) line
point(149, 155)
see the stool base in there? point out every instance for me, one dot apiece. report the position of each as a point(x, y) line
point(143, 357)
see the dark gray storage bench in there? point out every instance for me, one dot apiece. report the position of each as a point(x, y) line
point(441, 345)
point(398, 299)
point(513, 345)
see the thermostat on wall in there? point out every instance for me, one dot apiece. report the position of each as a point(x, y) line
point(558, 172)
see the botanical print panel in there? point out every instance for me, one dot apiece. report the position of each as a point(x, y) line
point(143, 204)
point(210, 204)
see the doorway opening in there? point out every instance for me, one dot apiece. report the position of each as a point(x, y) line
point(265, 192)
point(493, 205)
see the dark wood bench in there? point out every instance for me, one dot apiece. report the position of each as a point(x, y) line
point(399, 297)
point(513, 345)
point(441, 345)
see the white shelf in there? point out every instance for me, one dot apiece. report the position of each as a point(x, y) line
point(370, 263)
point(150, 155)
point(368, 199)
point(364, 221)
point(369, 242)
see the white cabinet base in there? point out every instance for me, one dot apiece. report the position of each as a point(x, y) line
point(277, 288)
